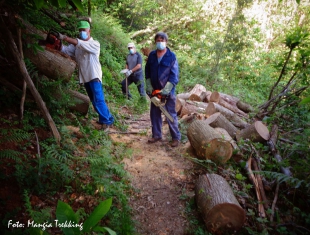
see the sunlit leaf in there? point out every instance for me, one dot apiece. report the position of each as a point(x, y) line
point(39, 3)
point(78, 4)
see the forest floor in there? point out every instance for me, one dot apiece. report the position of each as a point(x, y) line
point(162, 177)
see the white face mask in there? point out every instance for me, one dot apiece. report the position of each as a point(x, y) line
point(160, 45)
point(131, 51)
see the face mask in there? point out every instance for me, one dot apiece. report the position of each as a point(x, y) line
point(83, 35)
point(160, 45)
point(132, 51)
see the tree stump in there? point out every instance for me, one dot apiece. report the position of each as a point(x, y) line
point(219, 207)
point(257, 132)
point(208, 143)
point(218, 120)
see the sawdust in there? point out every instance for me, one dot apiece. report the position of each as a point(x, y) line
point(161, 175)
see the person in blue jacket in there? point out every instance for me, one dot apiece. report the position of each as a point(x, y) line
point(86, 52)
point(162, 73)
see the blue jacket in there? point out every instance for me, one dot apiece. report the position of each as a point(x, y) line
point(166, 70)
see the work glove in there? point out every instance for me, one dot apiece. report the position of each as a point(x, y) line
point(61, 36)
point(156, 101)
point(128, 73)
point(167, 89)
point(148, 87)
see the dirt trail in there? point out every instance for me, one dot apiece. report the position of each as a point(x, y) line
point(161, 175)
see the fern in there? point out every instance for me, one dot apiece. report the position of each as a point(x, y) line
point(14, 136)
point(296, 183)
point(11, 154)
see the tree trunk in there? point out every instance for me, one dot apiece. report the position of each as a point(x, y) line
point(229, 99)
point(49, 62)
point(244, 106)
point(218, 120)
point(52, 63)
point(208, 143)
point(219, 207)
point(257, 132)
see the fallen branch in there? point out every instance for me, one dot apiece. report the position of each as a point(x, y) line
point(23, 70)
point(274, 202)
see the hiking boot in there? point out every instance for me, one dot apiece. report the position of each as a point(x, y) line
point(153, 140)
point(175, 143)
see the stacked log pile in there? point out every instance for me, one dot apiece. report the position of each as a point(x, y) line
point(217, 124)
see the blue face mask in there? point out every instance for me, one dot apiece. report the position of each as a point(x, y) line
point(83, 35)
point(160, 45)
point(131, 51)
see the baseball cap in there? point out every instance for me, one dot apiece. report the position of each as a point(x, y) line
point(83, 25)
point(131, 44)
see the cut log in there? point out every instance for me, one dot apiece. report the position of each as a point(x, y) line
point(218, 120)
point(215, 97)
point(179, 105)
point(230, 115)
point(219, 207)
point(183, 96)
point(208, 143)
point(257, 132)
point(229, 99)
point(244, 106)
point(207, 96)
point(210, 109)
point(52, 63)
point(233, 108)
point(80, 102)
point(197, 93)
point(225, 135)
point(190, 108)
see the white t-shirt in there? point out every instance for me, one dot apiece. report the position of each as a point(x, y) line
point(86, 54)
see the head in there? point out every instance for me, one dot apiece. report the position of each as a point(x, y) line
point(84, 30)
point(131, 47)
point(161, 40)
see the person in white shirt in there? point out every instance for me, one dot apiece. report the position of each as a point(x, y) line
point(86, 52)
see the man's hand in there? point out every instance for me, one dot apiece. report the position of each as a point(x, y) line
point(61, 36)
point(128, 73)
point(167, 89)
point(148, 87)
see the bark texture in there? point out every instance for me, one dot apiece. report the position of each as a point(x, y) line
point(257, 132)
point(208, 143)
point(219, 207)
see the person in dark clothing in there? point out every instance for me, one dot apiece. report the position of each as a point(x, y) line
point(162, 73)
point(135, 72)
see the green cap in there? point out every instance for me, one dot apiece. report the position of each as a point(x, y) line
point(83, 25)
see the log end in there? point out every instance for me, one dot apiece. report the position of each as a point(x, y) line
point(262, 130)
point(225, 216)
